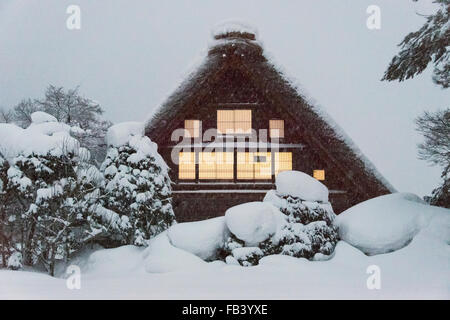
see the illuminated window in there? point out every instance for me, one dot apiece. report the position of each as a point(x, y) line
point(319, 174)
point(186, 167)
point(215, 165)
point(192, 128)
point(234, 121)
point(276, 128)
point(254, 165)
point(283, 162)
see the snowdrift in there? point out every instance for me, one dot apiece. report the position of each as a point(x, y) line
point(385, 223)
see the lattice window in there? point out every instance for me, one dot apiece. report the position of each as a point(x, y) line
point(215, 165)
point(186, 166)
point(276, 128)
point(234, 121)
point(192, 128)
point(283, 162)
point(254, 165)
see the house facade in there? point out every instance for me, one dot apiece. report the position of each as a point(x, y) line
point(237, 122)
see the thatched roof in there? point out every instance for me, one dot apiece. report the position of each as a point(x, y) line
point(241, 50)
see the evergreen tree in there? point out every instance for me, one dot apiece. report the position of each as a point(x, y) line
point(429, 44)
point(136, 195)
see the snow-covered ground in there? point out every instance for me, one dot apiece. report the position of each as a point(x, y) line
point(419, 270)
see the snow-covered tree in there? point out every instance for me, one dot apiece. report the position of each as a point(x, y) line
point(137, 201)
point(72, 108)
point(5, 246)
point(21, 113)
point(430, 43)
point(49, 193)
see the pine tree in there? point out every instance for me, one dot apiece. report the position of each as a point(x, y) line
point(137, 203)
point(429, 44)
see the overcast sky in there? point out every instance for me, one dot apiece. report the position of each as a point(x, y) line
point(129, 55)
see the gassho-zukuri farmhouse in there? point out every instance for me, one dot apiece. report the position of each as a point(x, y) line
point(237, 121)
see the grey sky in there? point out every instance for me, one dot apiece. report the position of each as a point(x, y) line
point(129, 55)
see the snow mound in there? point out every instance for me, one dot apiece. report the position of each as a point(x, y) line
point(119, 134)
point(41, 117)
point(385, 223)
point(161, 256)
point(252, 222)
point(202, 238)
point(231, 26)
point(299, 184)
point(116, 261)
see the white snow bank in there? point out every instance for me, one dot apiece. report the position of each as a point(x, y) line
point(385, 223)
point(253, 222)
point(119, 134)
point(40, 117)
point(417, 271)
point(301, 185)
point(202, 238)
point(160, 257)
point(115, 261)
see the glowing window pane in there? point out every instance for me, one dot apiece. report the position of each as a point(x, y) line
point(242, 121)
point(214, 165)
point(276, 128)
point(263, 165)
point(186, 166)
point(192, 128)
point(225, 121)
point(234, 121)
point(283, 162)
point(319, 174)
point(245, 165)
point(254, 165)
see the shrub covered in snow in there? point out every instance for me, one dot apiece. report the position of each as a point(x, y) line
point(136, 197)
point(15, 261)
point(285, 223)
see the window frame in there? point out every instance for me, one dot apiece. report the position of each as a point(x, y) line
point(187, 129)
point(234, 122)
point(281, 131)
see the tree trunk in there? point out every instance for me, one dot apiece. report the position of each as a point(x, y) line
point(28, 250)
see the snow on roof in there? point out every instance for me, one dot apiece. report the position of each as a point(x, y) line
point(233, 26)
point(323, 114)
point(120, 134)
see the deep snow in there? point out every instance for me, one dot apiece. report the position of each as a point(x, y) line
point(418, 270)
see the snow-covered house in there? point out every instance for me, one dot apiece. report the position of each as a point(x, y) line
point(238, 121)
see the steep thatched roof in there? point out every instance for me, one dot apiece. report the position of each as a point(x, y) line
point(241, 50)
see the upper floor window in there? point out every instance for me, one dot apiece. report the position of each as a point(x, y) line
point(276, 128)
point(192, 128)
point(234, 121)
point(319, 174)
